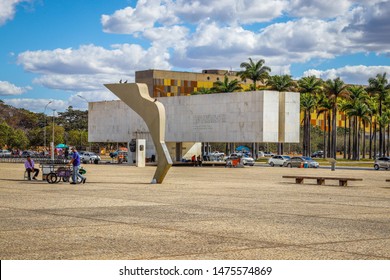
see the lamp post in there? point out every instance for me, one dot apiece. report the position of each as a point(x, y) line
point(44, 130)
point(81, 131)
point(82, 97)
point(52, 143)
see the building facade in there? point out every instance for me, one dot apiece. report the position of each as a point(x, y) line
point(164, 83)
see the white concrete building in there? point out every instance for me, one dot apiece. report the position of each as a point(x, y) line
point(260, 116)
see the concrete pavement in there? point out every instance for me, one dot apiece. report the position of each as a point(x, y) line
point(197, 213)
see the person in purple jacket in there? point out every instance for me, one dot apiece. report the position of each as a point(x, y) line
point(29, 165)
point(75, 161)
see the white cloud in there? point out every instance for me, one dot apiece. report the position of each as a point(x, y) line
point(358, 74)
point(81, 103)
point(148, 13)
point(89, 66)
point(8, 9)
point(229, 11)
point(78, 103)
point(318, 8)
point(131, 20)
point(6, 88)
point(79, 82)
point(369, 27)
point(38, 105)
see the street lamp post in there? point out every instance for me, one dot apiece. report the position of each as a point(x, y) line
point(82, 97)
point(52, 143)
point(44, 130)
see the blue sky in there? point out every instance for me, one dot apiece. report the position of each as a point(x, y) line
point(59, 50)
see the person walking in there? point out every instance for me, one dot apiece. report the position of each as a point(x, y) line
point(29, 165)
point(75, 161)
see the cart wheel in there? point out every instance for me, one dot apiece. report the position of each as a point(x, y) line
point(51, 178)
point(65, 179)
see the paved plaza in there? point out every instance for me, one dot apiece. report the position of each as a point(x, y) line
point(197, 213)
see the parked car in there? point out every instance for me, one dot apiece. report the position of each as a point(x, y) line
point(278, 160)
point(5, 153)
point(89, 157)
point(318, 154)
point(245, 159)
point(268, 154)
point(30, 153)
point(301, 161)
point(382, 162)
point(215, 156)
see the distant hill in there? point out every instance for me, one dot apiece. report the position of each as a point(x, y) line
point(18, 118)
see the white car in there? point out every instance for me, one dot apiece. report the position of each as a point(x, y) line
point(246, 160)
point(89, 157)
point(5, 153)
point(278, 160)
point(216, 156)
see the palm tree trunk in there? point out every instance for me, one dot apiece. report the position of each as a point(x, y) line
point(304, 133)
point(375, 132)
point(345, 137)
point(324, 149)
point(388, 139)
point(334, 131)
point(370, 149)
point(355, 139)
point(329, 136)
point(358, 139)
point(380, 131)
point(364, 140)
point(349, 138)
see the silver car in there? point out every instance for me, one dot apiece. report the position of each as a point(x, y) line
point(278, 160)
point(302, 162)
point(382, 162)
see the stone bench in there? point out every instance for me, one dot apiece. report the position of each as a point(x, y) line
point(321, 179)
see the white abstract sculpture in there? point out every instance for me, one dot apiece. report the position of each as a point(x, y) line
point(137, 97)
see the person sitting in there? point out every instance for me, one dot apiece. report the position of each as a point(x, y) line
point(29, 165)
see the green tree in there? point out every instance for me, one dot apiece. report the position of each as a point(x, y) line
point(73, 119)
point(380, 87)
point(308, 104)
point(374, 109)
point(19, 139)
point(226, 86)
point(281, 83)
point(308, 86)
point(324, 107)
point(5, 134)
point(78, 138)
point(254, 70)
point(202, 91)
point(335, 89)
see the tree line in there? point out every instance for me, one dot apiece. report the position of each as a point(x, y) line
point(22, 129)
point(362, 108)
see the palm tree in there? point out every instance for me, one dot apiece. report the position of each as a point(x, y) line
point(372, 103)
point(324, 107)
point(335, 89)
point(256, 71)
point(226, 86)
point(308, 86)
point(343, 107)
point(202, 91)
point(357, 95)
point(308, 104)
point(281, 83)
point(361, 113)
point(380, 87)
